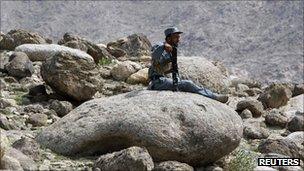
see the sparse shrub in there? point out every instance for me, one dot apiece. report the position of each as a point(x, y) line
point(104, 61)
point(243, 161)
point(20, 98)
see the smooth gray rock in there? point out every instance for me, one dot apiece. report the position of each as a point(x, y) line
point(204, 73)
point(41, 52)
point(131, 159)
point(191, 129)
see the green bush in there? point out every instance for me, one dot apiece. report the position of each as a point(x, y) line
point(104, 61)
point(20, 98)
point(243, 161)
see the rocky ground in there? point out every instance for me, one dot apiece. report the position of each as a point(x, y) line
point(76, 105)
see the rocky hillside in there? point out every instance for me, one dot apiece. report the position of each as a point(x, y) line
point(77, 105)
point(258, 39)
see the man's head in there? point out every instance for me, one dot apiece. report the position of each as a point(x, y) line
point(172, 36)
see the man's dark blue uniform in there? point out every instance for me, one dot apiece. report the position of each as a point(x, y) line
point(161, 65)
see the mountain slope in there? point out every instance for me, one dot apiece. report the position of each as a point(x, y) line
point(259, 39)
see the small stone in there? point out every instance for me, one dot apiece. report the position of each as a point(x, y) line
point(213, 168)
point(280, 146)
point(296, 123)
point(246, 114)
point(140, 77)
point(276, 118)
point(172, 165)
point(61, 107)
point(297, 137)
point(25, 162)
point(122, 70)
point(3, 85)
point(253, 91)
point(34, 108)
point(38, 119)
point(254, 106)
point(10, 163)
point(275, 96)
point(253, 132)
point(5, 124)
point(10, 79)
point(19, 65)
point(7, 103)
point(4, 145)
point(241, 87)
point(145, 59)
point(298, 89)
point(28, 147)
point(131, 159)
point(264, 168)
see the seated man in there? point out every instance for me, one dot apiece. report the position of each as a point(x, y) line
point(165, 54)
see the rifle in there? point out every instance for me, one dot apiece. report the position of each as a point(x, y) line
point(174, 69)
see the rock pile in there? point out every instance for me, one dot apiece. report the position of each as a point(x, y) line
point(46, 92)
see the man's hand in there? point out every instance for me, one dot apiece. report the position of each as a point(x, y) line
point(168, 47)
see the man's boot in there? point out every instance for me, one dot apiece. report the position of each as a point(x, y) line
point(221, 98)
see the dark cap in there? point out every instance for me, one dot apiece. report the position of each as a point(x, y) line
point(172, 30)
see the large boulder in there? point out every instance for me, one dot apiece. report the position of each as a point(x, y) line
point(72, 74)
point(76, 42)
point(203, 72)
point(181, 126)
point(275, 96)
point(131, 159)
point(19, 65)
point(45, 51)
point(133, 46)
point(18, 37)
